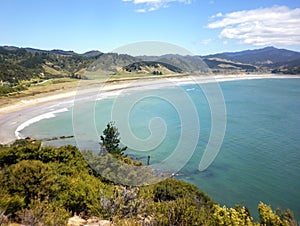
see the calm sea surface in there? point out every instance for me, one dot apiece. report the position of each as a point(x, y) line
point(259, 159)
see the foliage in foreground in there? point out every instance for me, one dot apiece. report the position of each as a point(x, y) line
point(46, 185)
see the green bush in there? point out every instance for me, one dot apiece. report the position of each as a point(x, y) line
point(46, 185)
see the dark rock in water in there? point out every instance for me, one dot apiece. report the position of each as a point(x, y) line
point(65, 137)
point(30, 139)
point(56, 138)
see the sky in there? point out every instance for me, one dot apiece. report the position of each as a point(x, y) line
point(200, 26)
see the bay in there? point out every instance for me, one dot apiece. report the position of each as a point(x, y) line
point(259, 159)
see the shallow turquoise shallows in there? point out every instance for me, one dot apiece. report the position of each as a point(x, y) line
point(259, 159)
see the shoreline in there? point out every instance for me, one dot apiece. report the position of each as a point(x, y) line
point(12, 116)
point(125, 84)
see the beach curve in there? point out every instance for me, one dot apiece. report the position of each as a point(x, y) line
point(12, 116)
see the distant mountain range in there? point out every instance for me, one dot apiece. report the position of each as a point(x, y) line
point(18, 64)
point(279, 60)
point(260, 57)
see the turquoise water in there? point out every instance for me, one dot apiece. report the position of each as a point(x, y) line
point(260, 156)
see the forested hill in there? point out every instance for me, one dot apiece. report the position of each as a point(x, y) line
point(17, 64)
point(153, 67)
point(265, 56)
point(25, 64)
point(270, 59)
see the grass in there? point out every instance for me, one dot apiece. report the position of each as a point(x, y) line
point(40, 90)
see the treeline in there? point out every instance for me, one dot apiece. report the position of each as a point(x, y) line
point(138, 66)
point(287, 70)
point(47, 185)
point(11, 89)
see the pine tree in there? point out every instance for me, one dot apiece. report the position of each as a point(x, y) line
point(110, 141)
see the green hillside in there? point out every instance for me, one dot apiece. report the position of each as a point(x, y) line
point(152, 67)
point(18, 64)
point(22, 67)
point(187, 64)
point(46, 186)
point(223, 65)
point(111, 63)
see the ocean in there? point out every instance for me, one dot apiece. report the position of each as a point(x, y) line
point(259, 157)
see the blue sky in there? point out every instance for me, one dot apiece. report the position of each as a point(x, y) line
point(200, 26)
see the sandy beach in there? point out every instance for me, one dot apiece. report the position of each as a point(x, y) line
point(13, 115)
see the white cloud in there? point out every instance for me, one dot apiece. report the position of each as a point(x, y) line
point(140, 11)
point(277, 25)
point(152, 9)
point(217, 15)
point(205, 41)
point(152, 5)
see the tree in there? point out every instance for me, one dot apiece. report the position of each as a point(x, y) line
point(110, 141)
point(269, 217)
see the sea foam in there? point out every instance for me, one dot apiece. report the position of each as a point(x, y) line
point(37, 119)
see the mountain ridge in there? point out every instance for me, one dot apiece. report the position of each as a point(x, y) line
point(269, 58)
point(19, 64)
point(258, 56)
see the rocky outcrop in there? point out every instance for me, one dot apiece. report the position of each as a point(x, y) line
point(94, 221)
